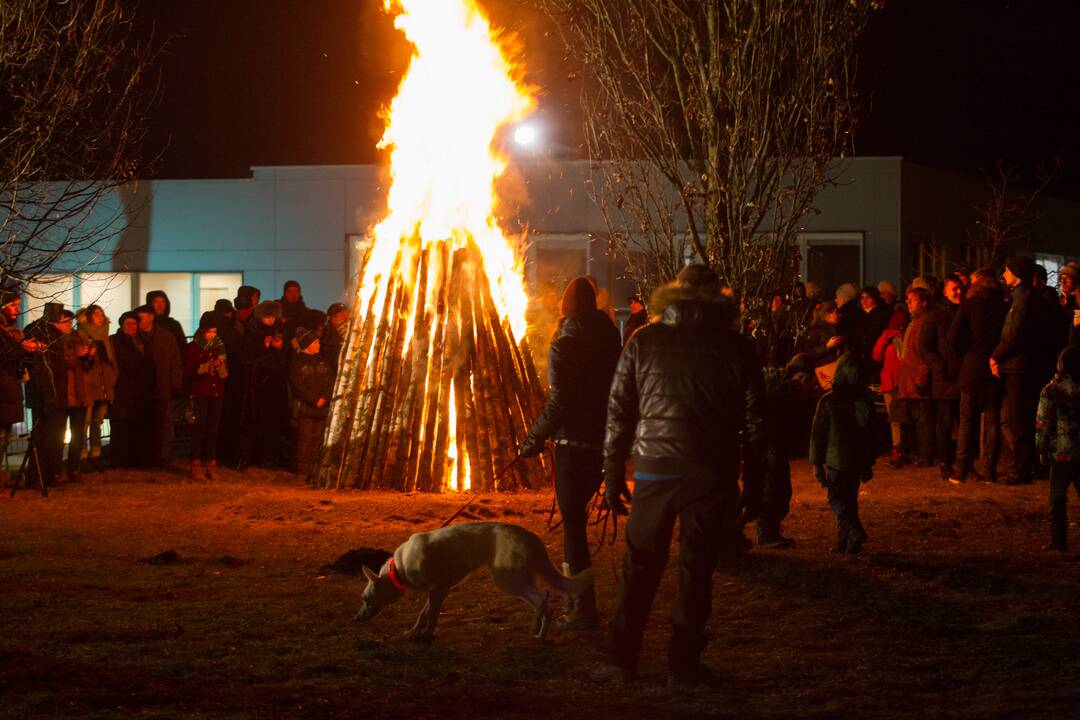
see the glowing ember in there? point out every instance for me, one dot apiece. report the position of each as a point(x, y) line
point(433, 386)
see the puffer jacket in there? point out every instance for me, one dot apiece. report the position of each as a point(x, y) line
point(937, 353)
point(842, 436)
point(684, 389)
point(1057, 423)
point(310, 378)
point(581, 363)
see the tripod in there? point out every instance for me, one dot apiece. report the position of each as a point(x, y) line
point(31, 449)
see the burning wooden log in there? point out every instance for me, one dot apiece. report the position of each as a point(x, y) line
point(433, 391)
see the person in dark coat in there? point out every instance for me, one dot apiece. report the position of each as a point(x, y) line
point(131, 414)
point(44, 417)
point(158, 301)
point(842, 450)
point(581, 363)
point(872, 320)
point(791, 395)
point(686, 397)
point(311, 383)
point(16, 351)
point(1057, 436)
point(1018, 360)
point(265, 420)
point(168, 382)
point(205, 369)
point(944, 363)
point(337, 325)
point(639, 317)
point(293, 308)
point(821, 341)
point(974, 334)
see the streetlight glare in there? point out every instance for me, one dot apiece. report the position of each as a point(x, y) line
point(525, 135)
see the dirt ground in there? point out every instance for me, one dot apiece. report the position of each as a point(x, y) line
point(953, 610)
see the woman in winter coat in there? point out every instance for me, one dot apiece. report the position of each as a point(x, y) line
point(101, 377)
point(887, 351)
point(132, 410)
point(205, 370)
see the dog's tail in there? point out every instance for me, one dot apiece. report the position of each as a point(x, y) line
point(573, 584)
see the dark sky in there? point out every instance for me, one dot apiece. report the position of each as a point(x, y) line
point(952, 83)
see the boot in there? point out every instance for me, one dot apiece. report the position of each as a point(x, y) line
point(196, 470)
point(897, 459)
point(211, 470)
point(584, 616)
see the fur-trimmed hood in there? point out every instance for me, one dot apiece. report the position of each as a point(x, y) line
point(676, 303)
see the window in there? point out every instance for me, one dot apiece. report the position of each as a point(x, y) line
point(217, 286)
point(1053, 265)
point(190, 294)
point(112, 291)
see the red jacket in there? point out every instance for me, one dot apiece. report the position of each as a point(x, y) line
point(204, 368)
point(885, 351)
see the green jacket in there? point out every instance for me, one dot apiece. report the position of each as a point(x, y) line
point(1057, 424)
point(842, 436)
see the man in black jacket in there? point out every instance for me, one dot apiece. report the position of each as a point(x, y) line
point(944, 363)
point(581, 364)
point(684, 390)
point(1018, 360)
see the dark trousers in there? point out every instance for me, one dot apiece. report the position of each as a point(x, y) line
point(1062, 476)
point(578, 474)
point(162, 452)
point(76, 420)
point(777, 496)
point(1021, 402)
point(47, 436)
point(204, 432)
point(922, 417)
point(705, 506)
point(843, 494)
point(945, 412)
point(978, 431)
point(309, 436)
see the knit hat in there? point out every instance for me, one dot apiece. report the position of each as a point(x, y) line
point(336, 308)
point(129, 314)
point(919, 283)
point(208, 320)
point(245, 296)
point(847, 292)
point(1022, 267)
point(268, 308)
point(885, 287)
point(305, 337)
point(223, 306)
point(578, 298)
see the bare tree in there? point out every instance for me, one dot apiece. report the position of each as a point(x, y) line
point(73, 84)
point(1006, 218)
point(712, 125)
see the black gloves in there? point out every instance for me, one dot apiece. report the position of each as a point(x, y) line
point(615, 491)
point(531, 446)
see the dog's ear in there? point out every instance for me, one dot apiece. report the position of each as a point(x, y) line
point(369, 574)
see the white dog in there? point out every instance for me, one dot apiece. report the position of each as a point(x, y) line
point(435, 561)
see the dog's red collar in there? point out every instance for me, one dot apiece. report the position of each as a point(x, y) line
point(395, 576)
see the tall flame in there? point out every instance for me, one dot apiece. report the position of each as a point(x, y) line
point(459, 91)
point(457, 94)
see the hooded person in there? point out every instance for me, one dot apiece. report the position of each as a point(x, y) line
point(842, 449)
point(311, 383)
point(132, 409)
point(101, 377)
point(159, 302)
point(293, 308)
point(168, 382)
point(686, 403)
point(337, 325)
point(265, 413)
point(581, 363)
point(247, 297)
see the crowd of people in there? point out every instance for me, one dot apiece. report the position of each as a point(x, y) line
point(977, 374)
point(253, 384)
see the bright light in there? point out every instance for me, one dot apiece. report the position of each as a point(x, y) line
point(525, 135)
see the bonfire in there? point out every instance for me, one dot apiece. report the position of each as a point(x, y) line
point(436, 385)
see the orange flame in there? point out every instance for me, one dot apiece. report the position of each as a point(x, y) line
point(458, 93)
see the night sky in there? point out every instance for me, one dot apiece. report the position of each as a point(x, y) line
point(265, 82)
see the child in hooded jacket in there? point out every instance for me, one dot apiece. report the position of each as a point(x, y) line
point(1057, 438)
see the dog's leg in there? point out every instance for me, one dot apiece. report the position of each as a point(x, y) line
point(429, 616)
point(539, 600)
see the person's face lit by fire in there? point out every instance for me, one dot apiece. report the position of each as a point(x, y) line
point(11, 310)
point(209, 333)
point(954, 291)
point(146, 322)
point(130, 326)
point(97, 317)
point(339, 319)
point(268, 321)
point(915, 303)
point(867, 301)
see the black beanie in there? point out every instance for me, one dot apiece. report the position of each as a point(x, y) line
point(1021, 267)
point(578, 298)
point(208, 320)
point(223, 306)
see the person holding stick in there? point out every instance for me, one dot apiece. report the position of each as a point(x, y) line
point(581, 364)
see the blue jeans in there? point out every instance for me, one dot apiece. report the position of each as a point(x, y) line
point(843, 487)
